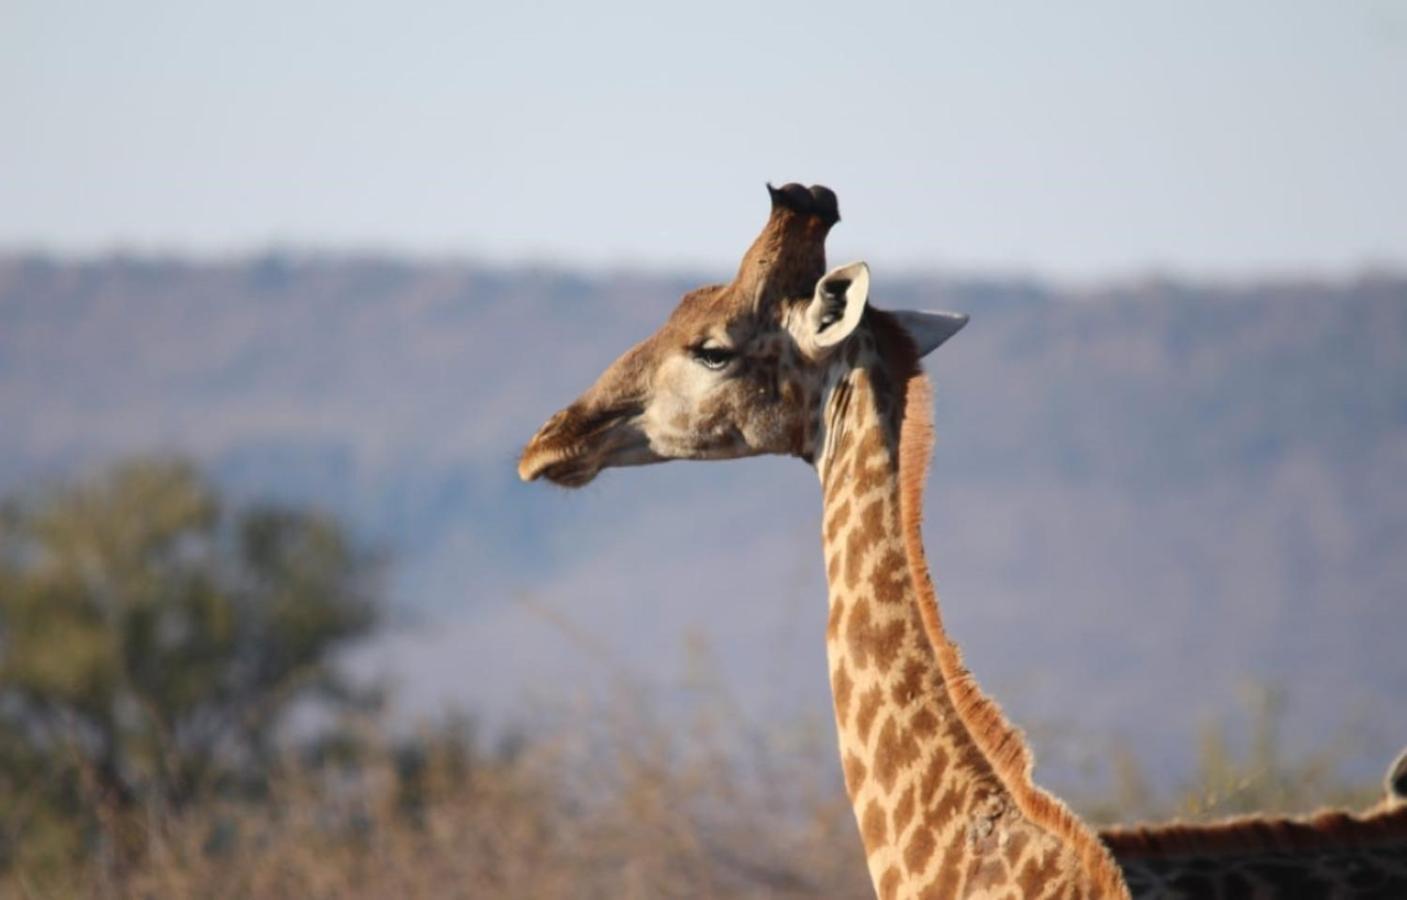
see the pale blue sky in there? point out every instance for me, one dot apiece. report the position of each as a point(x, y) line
point(1076, 139)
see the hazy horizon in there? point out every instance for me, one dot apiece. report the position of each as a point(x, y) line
point(886, 271)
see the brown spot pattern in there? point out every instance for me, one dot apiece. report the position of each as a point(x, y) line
point(1015, 843)
point(950, 871)
point(857, 631)
point(837, 521)
point(889, 884)
point(946, 808)
point(863, 536)
point(909, 686)
point(924, 724)
point(886, 641)
point(987, 873)
point(869, 707)
point(837, 613)
point(895, 751)
point(1036, 872)
point(874, 827)
point(919, 850)
point(933, 776)
point(855, 773)
point(890, 579)
point(867, 478)
point(904, 810)
point(868, 641)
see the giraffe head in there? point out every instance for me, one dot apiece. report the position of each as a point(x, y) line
point(737, 369)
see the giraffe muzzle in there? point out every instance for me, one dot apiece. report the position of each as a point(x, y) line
point(574, 446)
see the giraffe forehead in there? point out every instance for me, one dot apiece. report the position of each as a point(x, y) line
point(726, 311)
point(715, 306)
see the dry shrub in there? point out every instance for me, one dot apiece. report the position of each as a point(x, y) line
point(613, 803)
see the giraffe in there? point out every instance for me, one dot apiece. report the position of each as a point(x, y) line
point(789, 358)
point(1330, 854)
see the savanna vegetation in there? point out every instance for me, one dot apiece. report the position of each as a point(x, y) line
point(175, 722)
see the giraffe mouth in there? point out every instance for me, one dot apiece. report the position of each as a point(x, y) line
point(570, 455)
point(570, 472)
point(574, 470)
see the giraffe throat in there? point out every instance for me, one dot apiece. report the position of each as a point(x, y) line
point(943, 810)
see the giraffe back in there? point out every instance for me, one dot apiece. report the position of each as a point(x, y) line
point(1330, 855)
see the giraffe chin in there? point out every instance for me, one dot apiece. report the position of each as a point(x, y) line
point(569, 473)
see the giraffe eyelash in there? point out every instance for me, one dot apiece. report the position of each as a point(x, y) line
point(715, 358)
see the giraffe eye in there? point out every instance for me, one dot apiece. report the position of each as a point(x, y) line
point(713, 357)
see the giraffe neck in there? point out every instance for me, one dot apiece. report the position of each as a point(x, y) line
point(937, 778)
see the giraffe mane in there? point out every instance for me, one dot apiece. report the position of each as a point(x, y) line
point(1000, 741)
point(1328, 830)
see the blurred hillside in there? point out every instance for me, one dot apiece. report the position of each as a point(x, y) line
point(1153, 491)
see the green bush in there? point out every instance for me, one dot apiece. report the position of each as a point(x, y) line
point(154, 639)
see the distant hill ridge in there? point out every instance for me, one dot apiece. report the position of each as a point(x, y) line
point(1182, 470)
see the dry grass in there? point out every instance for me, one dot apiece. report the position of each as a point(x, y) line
point(579, 815)
point(611, 801)
point(1255, 774)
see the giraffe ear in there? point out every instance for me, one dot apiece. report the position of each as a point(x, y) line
point(929, 329)
point(838, 305)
